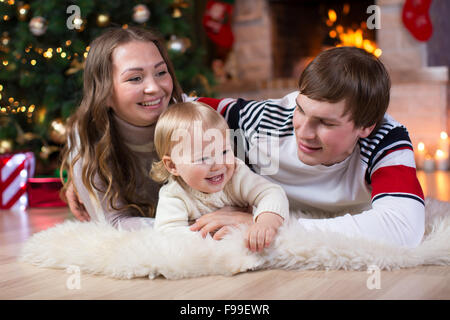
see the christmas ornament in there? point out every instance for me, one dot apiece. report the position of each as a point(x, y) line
point(176, 13)
point(15, 169)
point(79, 24)
point(6, 145)
point(4, 40)
point(217, 23)
point(177, 6)
point(141, 13)
point(178, 44)
point(23, 10)
point(416, 18)
point(103, 20)
point(57, 131)
point(38, 26)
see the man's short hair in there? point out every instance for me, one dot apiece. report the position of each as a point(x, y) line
point(353, 75)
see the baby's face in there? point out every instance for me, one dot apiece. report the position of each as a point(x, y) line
point(205, 165)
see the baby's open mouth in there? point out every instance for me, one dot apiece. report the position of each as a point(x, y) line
point(216, 179)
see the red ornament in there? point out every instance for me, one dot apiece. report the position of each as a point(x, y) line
point(217, 23)
point(416, 18)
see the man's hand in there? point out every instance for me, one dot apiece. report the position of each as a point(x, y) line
point(263, 231)
point(221, 221)
point(75, 204)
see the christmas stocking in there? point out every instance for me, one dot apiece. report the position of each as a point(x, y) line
point(416, 18)
point(217, 22)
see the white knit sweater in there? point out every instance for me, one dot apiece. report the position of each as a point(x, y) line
point(178, 203)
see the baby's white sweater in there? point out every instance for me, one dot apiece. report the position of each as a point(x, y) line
point(178, 203)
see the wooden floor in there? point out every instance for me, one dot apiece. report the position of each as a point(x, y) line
point(22, 281)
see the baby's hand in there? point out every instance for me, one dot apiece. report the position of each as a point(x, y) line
point(262, 232)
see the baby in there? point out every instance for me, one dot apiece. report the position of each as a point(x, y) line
point(201, 175)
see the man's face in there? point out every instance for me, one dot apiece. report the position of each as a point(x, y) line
point(324, 136)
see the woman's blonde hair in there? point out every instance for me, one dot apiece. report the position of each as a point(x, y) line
point(100, 148)
point(180, 116)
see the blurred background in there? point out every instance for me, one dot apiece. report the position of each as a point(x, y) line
point(254, 49)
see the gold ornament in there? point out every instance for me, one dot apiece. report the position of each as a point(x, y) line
point(57, 131)
point(177, 6)
point(176, 13)
point(38, 26)
point(141, 13)
point(6, 145)
point(103, 20)
point(23, 10)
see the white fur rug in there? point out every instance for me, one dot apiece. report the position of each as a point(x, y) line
point(101, 249)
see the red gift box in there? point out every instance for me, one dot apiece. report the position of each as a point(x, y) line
point(44, 192)
point(15, 169)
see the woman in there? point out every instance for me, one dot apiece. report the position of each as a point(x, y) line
point(128, 82)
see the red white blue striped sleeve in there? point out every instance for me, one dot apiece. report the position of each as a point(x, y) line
point(391, 168)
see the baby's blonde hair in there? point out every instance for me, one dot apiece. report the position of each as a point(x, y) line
point(180, 116)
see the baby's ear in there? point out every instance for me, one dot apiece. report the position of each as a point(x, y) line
point(170, 165)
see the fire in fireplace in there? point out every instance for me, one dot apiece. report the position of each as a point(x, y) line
point(303, 28)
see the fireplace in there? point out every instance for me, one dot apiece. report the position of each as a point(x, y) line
point(302, 29)
point(266, 60)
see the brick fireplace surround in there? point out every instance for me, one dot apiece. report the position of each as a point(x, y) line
point(419, 94)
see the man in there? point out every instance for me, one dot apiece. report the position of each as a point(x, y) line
point(338, 152)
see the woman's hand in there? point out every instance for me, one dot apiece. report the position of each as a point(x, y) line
point(75, 204)
point(221, 221)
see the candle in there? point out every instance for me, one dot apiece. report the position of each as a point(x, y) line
point(428, 164)
point(441, 160)
point(420, 155)
point(444, 142)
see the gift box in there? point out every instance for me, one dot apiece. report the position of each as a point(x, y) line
point(15, 170)
point(44, 192)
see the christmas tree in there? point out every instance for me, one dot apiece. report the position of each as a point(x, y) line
point(43, 45)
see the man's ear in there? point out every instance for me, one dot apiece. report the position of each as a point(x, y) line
point(170, 165)
point(365, 132)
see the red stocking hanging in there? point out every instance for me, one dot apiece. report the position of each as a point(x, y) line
point(217, 22)
point(416, 18)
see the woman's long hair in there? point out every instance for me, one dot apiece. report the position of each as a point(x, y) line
point(92, 137)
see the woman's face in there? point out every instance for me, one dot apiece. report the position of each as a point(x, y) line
point(141, 81)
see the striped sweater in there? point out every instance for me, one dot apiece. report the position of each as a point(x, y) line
point(373, 193)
